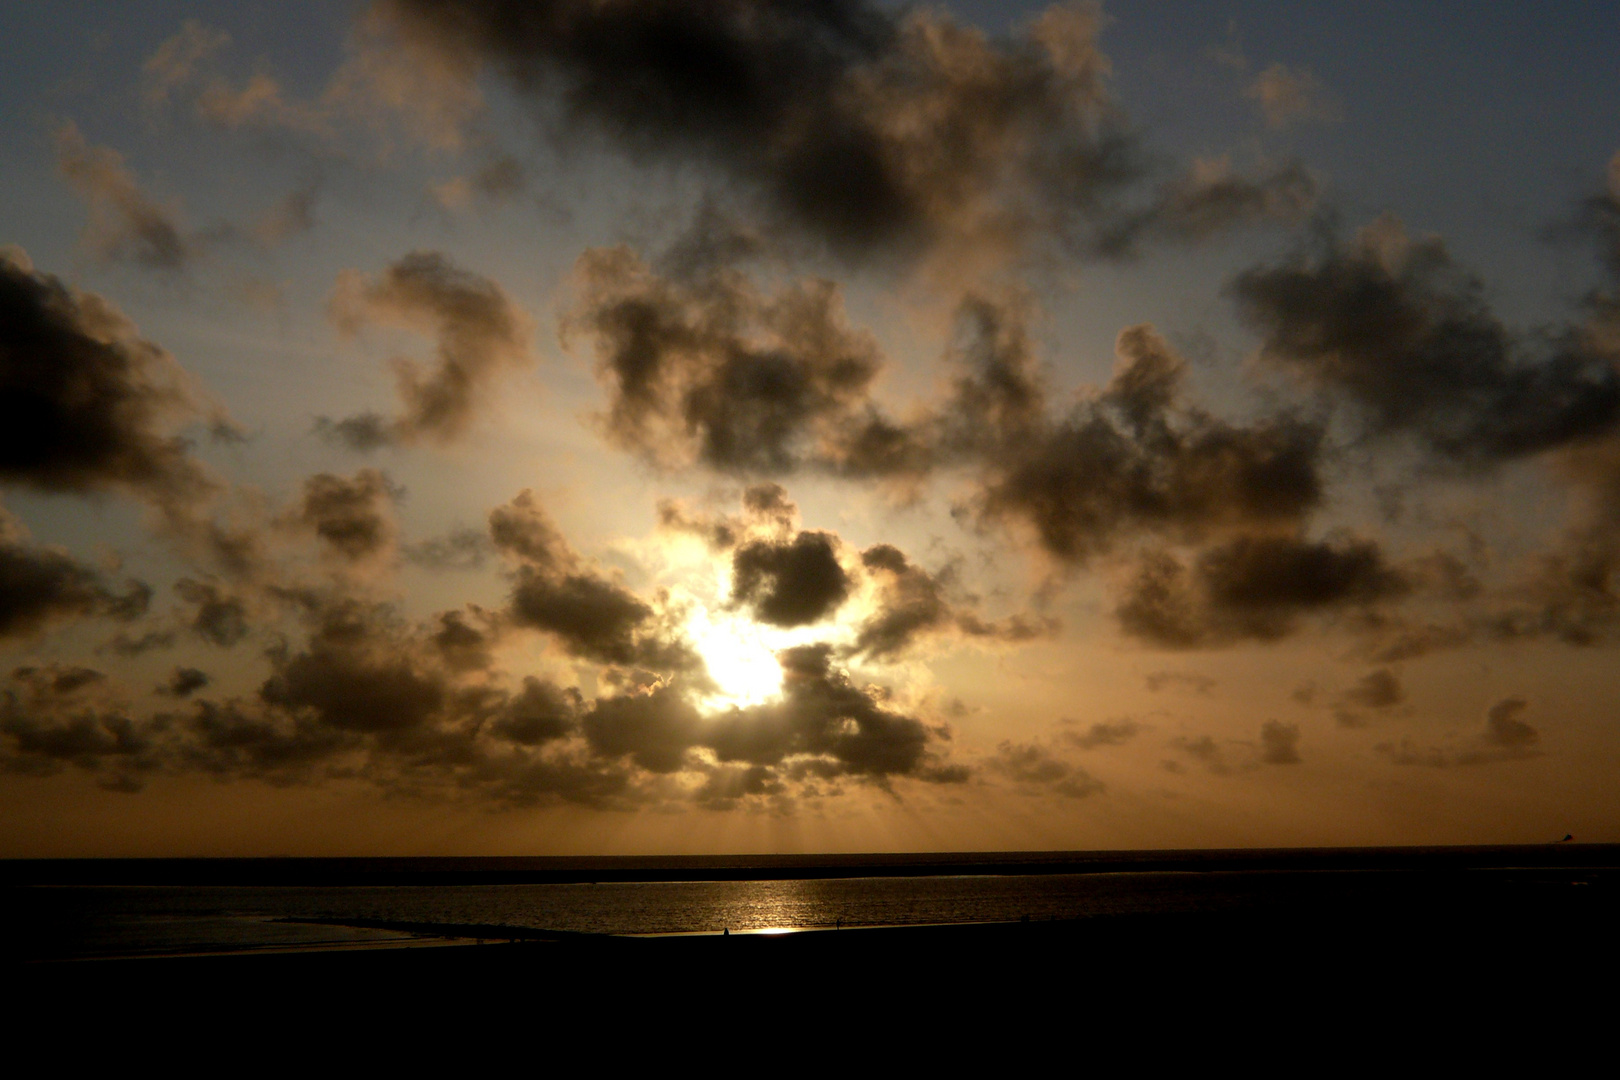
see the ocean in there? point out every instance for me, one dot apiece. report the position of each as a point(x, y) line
point(71, 910)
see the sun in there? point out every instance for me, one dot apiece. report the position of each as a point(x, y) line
point(740, 655)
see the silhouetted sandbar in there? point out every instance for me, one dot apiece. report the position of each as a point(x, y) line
point(515, 870)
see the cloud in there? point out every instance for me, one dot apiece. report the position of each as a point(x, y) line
point(480, 334)
point(219, 616)
point(912, 604)
point(1104, 733)
point(1379, 690)
point(1208, 200)
point(864, 129)
point(458, 549)
point(86, 404)
point(1033, 769)
point(1506, 737)
point(54, 716)
point(1279, 743)
point(1160, 680)
point(1136, 460)
point(292, 215)
point(389, 85)
point(184, 681)
point(498, 180)
point(714, 372)
point(1252, 587)
point(352, 516)
point(826, 725)
point(1392, 325)
point(42, 587)
point(124, 221)
point(796, 583)
point(557, 591)
point(1287, 96)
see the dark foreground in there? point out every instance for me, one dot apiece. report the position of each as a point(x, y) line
point(1445, 969)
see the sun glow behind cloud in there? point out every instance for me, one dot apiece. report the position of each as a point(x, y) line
point(741, 654)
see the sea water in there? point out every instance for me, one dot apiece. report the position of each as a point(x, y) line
point(61, 922)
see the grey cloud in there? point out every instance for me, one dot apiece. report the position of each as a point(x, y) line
point(557, 591)
point(86, 404)
point(1134, 460)
point(185, 681)
point(458, 549)
point(823, 717)
point(352, 516)
point(654, 729)
point(124, 220)
point(811, 108)
point(54, 716)
point(219, 616)
point(1379, 689)
point(1506, 737)
point(1104, 733)
point(1288, 96)
point(1210, 200)
point(913, 604)
point(795, 583)
point(713, 372)
point(1279, 743)
point(1394, 326)
point(542, 712)
point(1161, 680)
point(480, 333)
point(42, 586)
point(1504, 729)
point(351, 677)
point(1033, 768)
point(1252, 587)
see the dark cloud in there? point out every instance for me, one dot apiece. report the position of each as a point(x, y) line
point(1161, 680)
point(1398, 329)
point(1033, 768)
point(185, 681)
point(1504, 729)
point(1279, 743)
point(292, 215)
point(351, 676)
point(1209, 200)
point(794, 583)
point(125, 222)
point(1104, 733)
point(539, 714)
point(1136, 460)
point(1204, 750)
point(1379, 690)
point(713, 372)
point(459, 549)
point(86, 404)
point(218, 616)
point(557, 591)
point(363, 432)
point(912, 604)
point(480, 333)
point(654, 729)
point(352, 516)
point(813, 108)
point(824, 723)
point(1506, 737)
point(54, 716)
point(41, 587)
point(1253, 587)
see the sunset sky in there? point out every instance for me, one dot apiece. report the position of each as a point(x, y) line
point(636, 426)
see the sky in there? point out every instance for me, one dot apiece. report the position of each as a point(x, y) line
point(610, 427)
